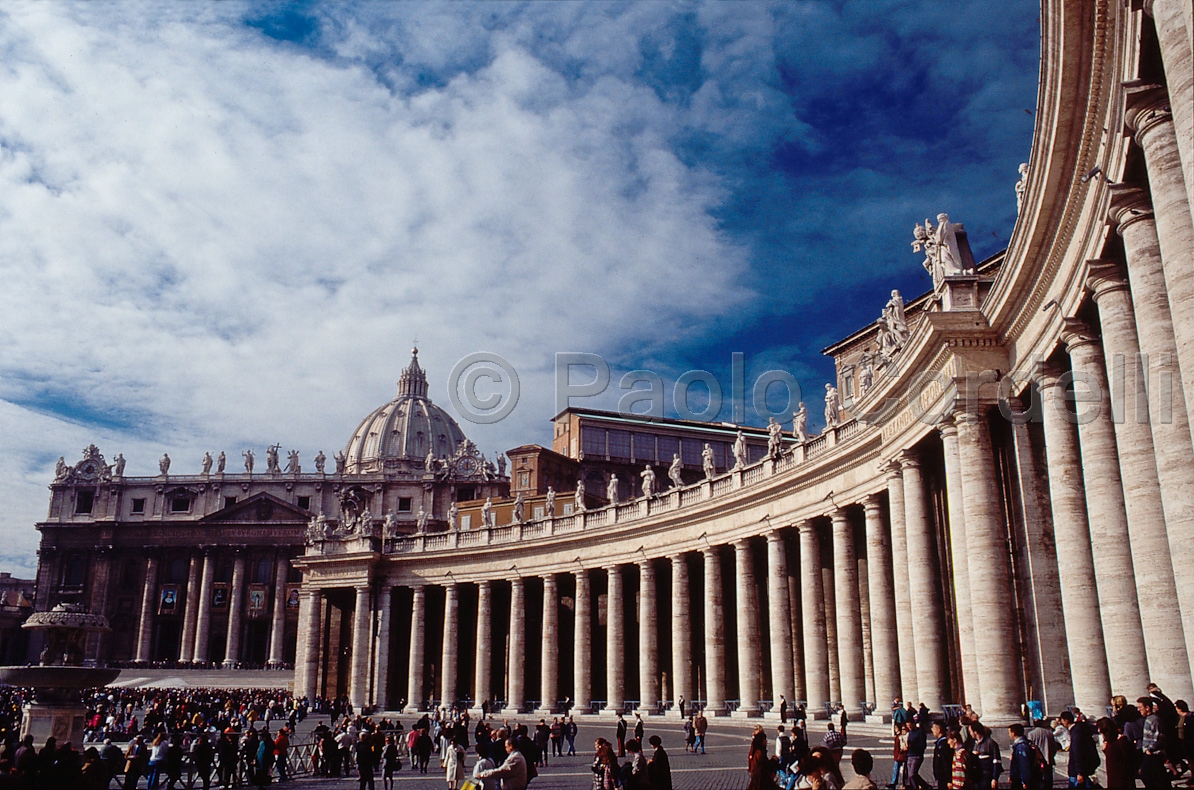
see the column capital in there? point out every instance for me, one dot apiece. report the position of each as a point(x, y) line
point(741, 544)
point(484, 584)
point(839, 518)
point(615, 568)
point(1046, 374)
point(872, 503)
point(362, 588)
point(645, 566)
point(1129, 203)
point(1146, 105)
point(948, 427)
point(549, 578)
point(677, 559)
point(775, 536)
point(909, 459)
point(710, 551)
point(1106, 277)
point(1076, 334)
point(806, 527)
point(892, 470)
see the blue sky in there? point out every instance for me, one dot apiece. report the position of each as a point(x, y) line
point(221, 225)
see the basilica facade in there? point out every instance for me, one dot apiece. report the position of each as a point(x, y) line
point(998, 511)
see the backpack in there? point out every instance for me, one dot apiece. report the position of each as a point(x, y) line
point(1040, 766)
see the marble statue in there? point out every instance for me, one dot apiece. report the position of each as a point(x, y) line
point(943, 252)
point(579, 497)
point(800, 423)
point(365, 524)
point(164, 463)
point(707, 461)
point(549, 504)
point(487, 517)
point(316, 528)
point(389, 525)
point(866, 376)
point(453, 515)
point(248, 456)
point(207, 462)
point(675, 471)
point(320, 461)
point(292, 462)
point(520, 508)
point(221, 462)
point(611, 490)
point(775, 438)
point(648, 476)
point(60, 469)
point(271, 459)
point(421, 520)
point(119, 464)
point(501, 464)
point(341, 462)
point(429, 462)
point(896, 319)
point(488, 467)
point(739, 451)
point(833, 406)
point(1021, 186)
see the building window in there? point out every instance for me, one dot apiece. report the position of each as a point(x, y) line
point(293, 575)
point(74, 572)
point(403, 504)
point(304, 502)
point(668, 447)
point(619, 444)
point(524, 479)
point(466, 521)
point(644, 447)
point(848, 385)
point(465, 494)
point(84, 501)
point(138, 505)
point(567, 508)
point(538, 512)
point(180, 504)
point(593, 440)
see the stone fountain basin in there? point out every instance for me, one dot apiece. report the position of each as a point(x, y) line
point(57, 677)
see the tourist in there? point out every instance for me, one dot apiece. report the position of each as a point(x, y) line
point(513, 771)
point(639, 728)
point(226, 753)
point(986, 749)
point(681, 704)
point(621, 735)
point(92, 776)
point(843, 720)
point(1185, 732)
point(634, 771)
point(1119, 755)
point(365, 761)
point(816, 771)
point(1152, 745)
point(942, 756)
point(799, 741)
point(454, 765)
point(175, 756)
point(899, 755)
point(963, 769)
point(757, 751)
point(157, 760)
point(282, 753)
point(917, 742)
point(701, 725)
point(834, 741)
point(542, 737)
point(265, 759)
point(557, 738)
point(783, 710)
point(1023, 766)
point(1042, 738)
point(570, 732)
point(111, 757)
point(1084, 756)
point(659, 767)
point(483, 764)
point(689, 735)
point(783, 747)
point(862, 763)
point(605, 766)
point(391, 761)
point(423, 747)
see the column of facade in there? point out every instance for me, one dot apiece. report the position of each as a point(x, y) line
point(381, 668)
point(849, 615)
point(277, 632)
point(681, 631)
point(884, 644)
point(98, 604)
point(549, 664)
point(796, 629)
point(1000, 689)
point(1168, 410)
point(1148, 115)
point(961, 567)
point(715, 639)
point(780, 620)
point(148, 598)
point(864, 609)
point(450, 649)
point(615, 642)
point(1173, 20)
point(1119, 606)
point(816, 648)
point(582, 658)
point(418, 649)
point(307, 664)
point(748, 628)
point(482, 685)
point(358, 682)
point(648, 640)
point(203, 621)
point(235, 605)
point(186, 651)
point(1165, 647)
point(903, 596)
point(516, 692)
point(829, 591)
point(928, 624)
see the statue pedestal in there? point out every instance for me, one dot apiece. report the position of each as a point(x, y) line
point(64, 721)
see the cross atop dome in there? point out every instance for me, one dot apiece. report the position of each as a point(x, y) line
point(413, 381)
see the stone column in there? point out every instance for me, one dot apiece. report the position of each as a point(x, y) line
point(236, 603)
point(615, 642)
point(903, 595)
point(307, 676)
point(1168, 405)
point(1076, 569)
point(849, 615)
point(648, 640)
point(186, 651)
point(1148, 115)
point(882, 597)
point(418, 650)
point(1174, 34)
point(516, 697)
point(715, 635)
point(451, 644)
point(1165, 647)
point(277, 633)
point(829, 590)
point(358, 684)
point(381, 669)
point(582, 658)
point(748, 629)
point(681, 632)
point(796, 628)
point(1108, 519)
point(1001, 691)
point(482, 686)
point(928, 624)
point(549, 675)
point(868, 653)
point(957, 555)
point(203, 623)
point(148, 599)
point(779, 619)
point(816, 648)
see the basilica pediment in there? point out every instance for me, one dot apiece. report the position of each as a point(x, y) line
point(259, 508)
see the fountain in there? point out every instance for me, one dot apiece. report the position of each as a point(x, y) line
point(59, 677)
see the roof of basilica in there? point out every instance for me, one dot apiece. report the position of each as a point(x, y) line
point(407, 428)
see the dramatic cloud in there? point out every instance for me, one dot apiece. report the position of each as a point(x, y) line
point(223, 225)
